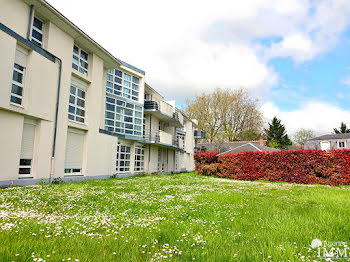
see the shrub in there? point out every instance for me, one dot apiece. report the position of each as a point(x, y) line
point(300, 166)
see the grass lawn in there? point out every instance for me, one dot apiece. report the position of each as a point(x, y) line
point(180, 217)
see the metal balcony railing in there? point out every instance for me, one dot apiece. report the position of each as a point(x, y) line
point(199, 134)
point(160, 136)
point(167, 110)
point(151, 105)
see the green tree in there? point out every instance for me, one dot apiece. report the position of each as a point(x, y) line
point(302, 135)
point(276, 134)
point(342, 130)
point(227, 114)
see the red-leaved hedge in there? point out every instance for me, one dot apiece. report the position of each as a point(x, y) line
point(301, 166)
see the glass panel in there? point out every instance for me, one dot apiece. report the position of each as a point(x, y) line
point(127, 77)
point(80, 112)
point(128, 119)
point(110, 100)
point(81, 93)
point(118, 73)
point(118, 87)
point(127, 84)
point(84, 55)
point(37, 23)
point(72, 90)
point(110, 115)
point(16, 100)
point(37, 35)
point(71, 99)
point(135, 79)
point(110, 77)
point(110, 107)
point(121, 103)
point(18, 77)
point(17, 90)
point(109, 122)
point(126, 96)
point(76, 50)
point(25, 162)
point(20, 68)
point(128, 105)
point(71, 109)
point(24, 171)
point(79, 119)
point(80, 102)
point(83, 64)
point(128, 112)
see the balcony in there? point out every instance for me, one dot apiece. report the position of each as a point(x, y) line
point(164, 112)
point(161, 138)
point(199, 134)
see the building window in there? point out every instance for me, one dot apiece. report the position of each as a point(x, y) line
point(80, 60)
point(74, 152)
point(139, 158)
point(37, 31)
point(123, 117)
point(77, 101)
point(27, 148)
point(341, 144)
point(123, 158)
point(18, 75)
point(122, 84)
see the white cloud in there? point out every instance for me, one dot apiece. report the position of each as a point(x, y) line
point(321, 117)
point(191, 46)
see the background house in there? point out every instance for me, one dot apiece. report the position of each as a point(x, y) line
point(236, 147)
point(328, 142)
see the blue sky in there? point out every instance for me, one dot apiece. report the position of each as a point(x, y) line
point(291, 54)
point(321, 79)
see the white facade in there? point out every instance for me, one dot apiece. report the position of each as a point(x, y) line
point(69, 109)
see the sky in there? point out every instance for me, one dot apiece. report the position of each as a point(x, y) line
point(293, 55)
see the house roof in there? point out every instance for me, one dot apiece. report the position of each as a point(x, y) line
point(250, 147)
point(223, 147)
point(332, 136)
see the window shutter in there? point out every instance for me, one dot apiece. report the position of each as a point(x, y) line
point(79, 83)
point(74, 148)
point(21, 56)
point(28, 139)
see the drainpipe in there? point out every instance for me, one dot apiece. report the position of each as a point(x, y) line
point(56, 119)
point(30, 21)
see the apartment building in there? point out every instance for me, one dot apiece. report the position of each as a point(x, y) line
point(70, 109)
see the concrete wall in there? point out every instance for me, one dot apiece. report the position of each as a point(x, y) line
point(316, 144)
point(39, 103)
